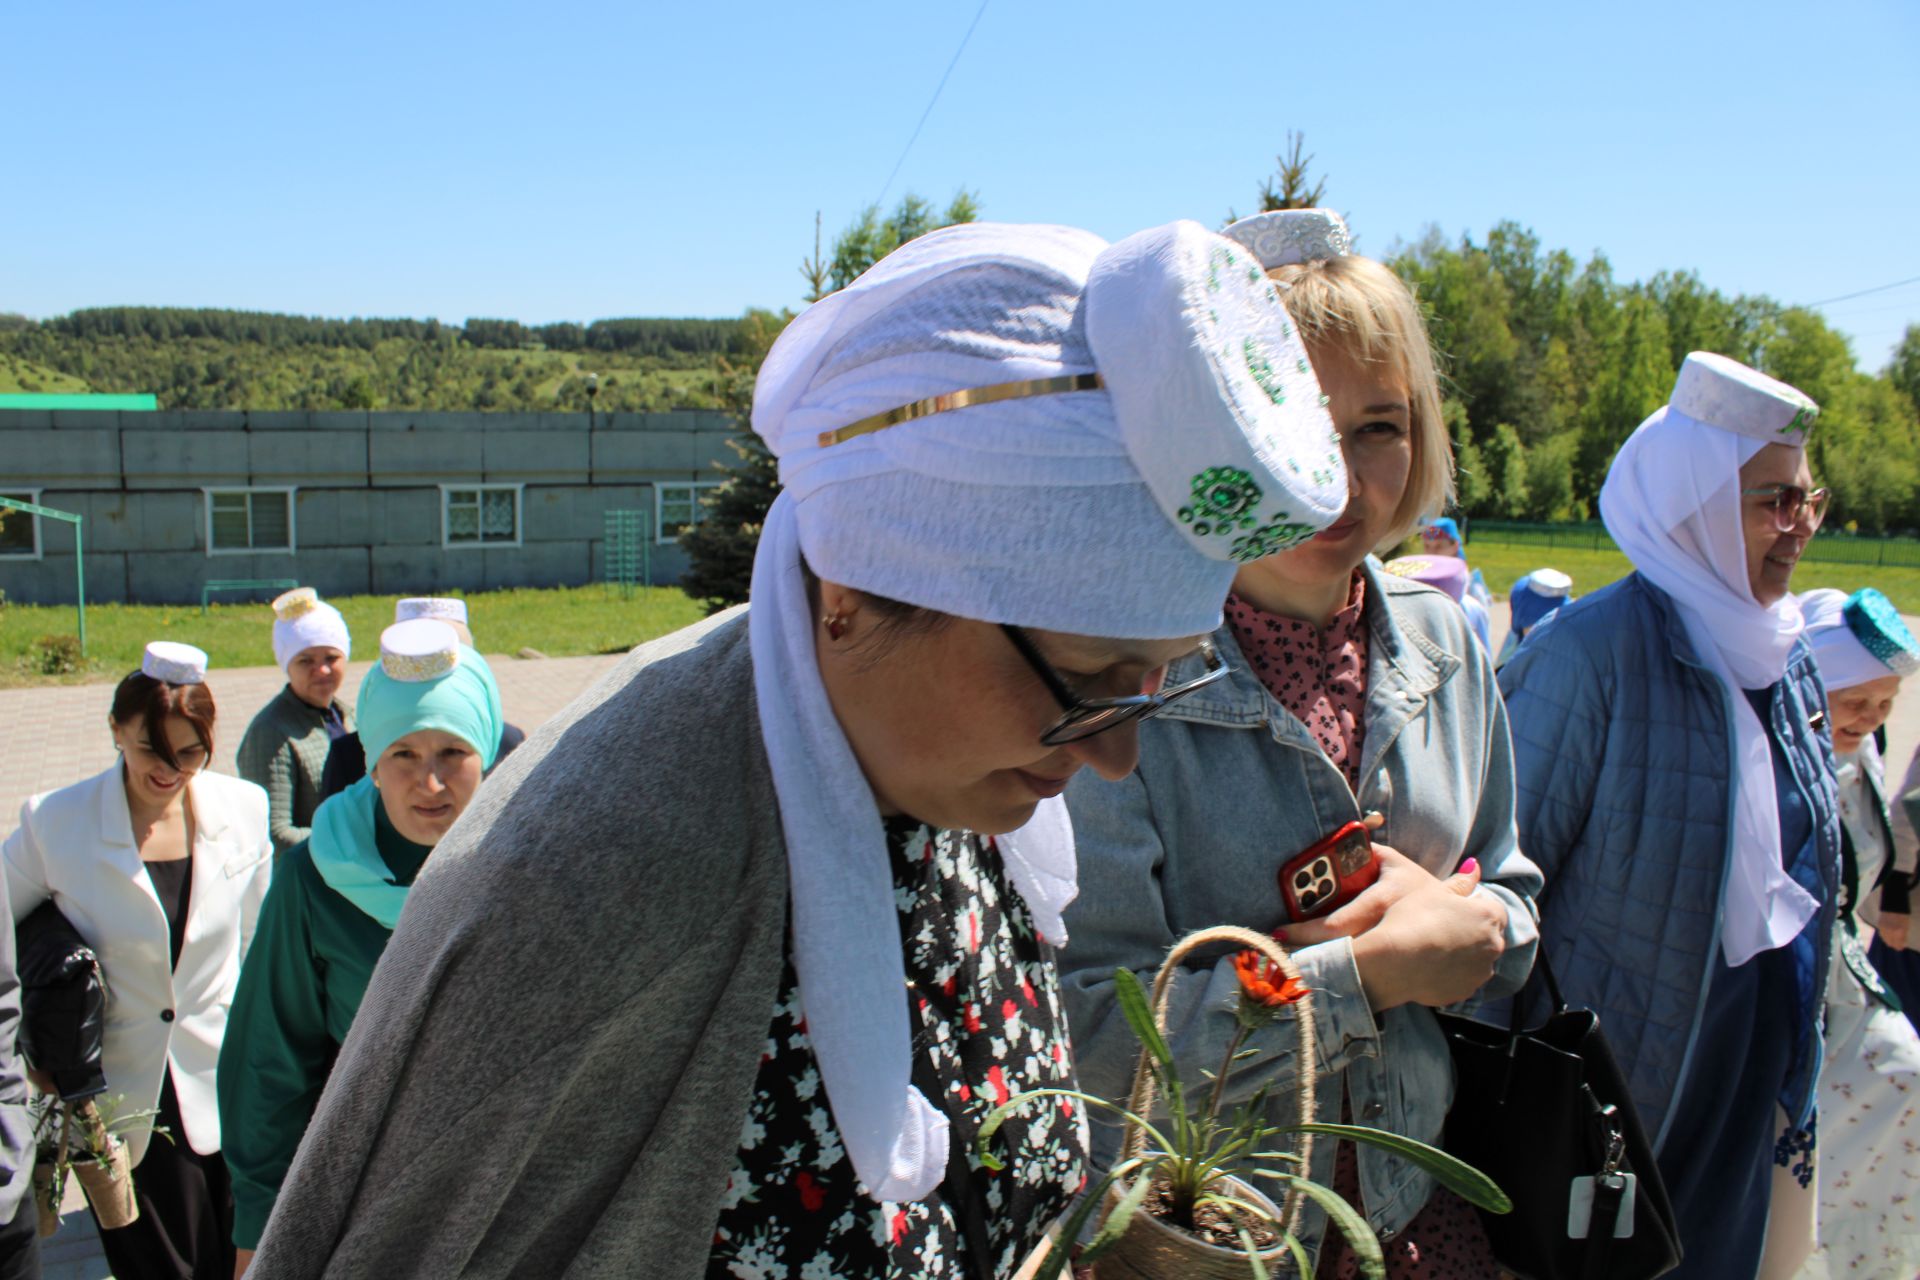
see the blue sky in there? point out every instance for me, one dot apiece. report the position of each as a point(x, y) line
point(575, 161)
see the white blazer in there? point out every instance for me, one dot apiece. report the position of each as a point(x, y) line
point(75, 845)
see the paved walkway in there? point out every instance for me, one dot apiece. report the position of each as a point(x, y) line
point(56, 735)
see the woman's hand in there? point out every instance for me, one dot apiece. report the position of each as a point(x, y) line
point(242, 1259)
point(1421, 940)
point(43, 1081)
point(1399, 877)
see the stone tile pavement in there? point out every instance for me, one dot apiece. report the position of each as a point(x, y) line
point(57, 735)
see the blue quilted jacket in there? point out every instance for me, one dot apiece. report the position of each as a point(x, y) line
point(1623, 750)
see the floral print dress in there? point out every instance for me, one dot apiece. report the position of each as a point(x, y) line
point(987, 1024)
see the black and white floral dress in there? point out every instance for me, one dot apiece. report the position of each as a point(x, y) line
point(987, 1024)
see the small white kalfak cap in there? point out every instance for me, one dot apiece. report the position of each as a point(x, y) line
point(1287, 236)
point(292, 605)
point(1550, 583)
point(174, 663)
point(1717, 392)
point(418, 650)
point(443, 608)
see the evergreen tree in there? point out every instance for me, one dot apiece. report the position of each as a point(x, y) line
point(721, 547)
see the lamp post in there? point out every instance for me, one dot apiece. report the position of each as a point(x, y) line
point(593, 392)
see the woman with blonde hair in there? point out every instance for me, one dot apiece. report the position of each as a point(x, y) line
point(1354, 696)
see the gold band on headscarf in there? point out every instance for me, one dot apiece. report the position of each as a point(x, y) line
point(960, 400)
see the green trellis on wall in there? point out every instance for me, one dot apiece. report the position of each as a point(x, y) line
point(79, 559)
point(629, 550)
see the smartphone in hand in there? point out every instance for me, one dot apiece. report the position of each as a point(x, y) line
point(1330, 874)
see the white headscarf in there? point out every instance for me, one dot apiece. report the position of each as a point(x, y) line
point(306, 624)
point(1672, 503)
point(1107, 512)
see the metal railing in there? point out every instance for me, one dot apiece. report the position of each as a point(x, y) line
point(1828, 546)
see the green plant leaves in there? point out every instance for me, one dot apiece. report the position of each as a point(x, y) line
point(1462, 1179)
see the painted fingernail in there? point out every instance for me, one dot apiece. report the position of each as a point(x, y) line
point(1279, 935)
point(1470, 866)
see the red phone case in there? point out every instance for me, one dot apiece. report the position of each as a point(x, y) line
point(1330, 874)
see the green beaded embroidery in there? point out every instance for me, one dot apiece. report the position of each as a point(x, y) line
point(1223, 500)
point(1802, 422)
point(1270, 540)
point(1262, 371)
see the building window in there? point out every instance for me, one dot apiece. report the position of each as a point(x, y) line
point(485, 515)
point(19, 530)
point(243, 521)
point(676, 507)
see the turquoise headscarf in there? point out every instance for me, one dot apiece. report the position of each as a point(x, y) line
point(464, 702)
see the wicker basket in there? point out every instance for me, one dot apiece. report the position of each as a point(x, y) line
point(1155, 1250)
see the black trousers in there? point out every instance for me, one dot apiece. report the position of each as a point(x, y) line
point(20, 1241)
point(185, 1228)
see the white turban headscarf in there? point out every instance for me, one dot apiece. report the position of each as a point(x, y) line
point(1672, 503)
point(1055, 511)
point(321, 624)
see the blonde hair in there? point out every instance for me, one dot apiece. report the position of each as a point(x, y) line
point(1364, 309)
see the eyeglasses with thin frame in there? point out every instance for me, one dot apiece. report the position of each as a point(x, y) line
point(1789, 501)
point(1084, 717)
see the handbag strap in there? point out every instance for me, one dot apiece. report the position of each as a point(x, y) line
point(1543, 970)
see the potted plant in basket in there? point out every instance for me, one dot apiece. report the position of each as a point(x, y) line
point(1180, 1202)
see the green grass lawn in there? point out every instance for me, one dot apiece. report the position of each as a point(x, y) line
point(1504, 563)
point(560, 623)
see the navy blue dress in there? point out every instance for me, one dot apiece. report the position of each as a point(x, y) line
point(1719, 1155)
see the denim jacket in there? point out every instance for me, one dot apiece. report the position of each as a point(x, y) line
point(1230, 785)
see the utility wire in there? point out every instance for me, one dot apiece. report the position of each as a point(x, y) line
point(980, 13)
point(1879, 288)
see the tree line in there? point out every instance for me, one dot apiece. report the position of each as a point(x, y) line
point(1552, 363)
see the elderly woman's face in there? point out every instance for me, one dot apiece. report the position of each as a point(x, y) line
point(1859, 710)
point(316, 675)
point(946, 720)
point(425, 781)
point(1771, 553)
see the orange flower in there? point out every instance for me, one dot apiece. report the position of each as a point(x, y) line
point(1264, 982)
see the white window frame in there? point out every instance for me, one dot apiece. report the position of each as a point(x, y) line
point(519, 510)
point(33, 522)
point(293, 540)
point(660, 501)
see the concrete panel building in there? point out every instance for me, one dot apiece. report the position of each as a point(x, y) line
point(348, 502)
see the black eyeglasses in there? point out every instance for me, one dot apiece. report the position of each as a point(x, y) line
point(1085, 717)
point(1789, 500)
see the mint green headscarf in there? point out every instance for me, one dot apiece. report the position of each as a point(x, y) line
point(464, 702)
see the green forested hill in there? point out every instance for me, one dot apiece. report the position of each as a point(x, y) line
point(205, 359)
point(1549, 363)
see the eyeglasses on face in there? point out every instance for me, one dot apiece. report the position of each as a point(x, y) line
point(1789, 501)
point(1083, 717)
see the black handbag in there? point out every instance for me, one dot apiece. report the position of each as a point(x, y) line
point(1546, 1114)
point(63, 1003)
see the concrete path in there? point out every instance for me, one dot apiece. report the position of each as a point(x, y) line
point(56, 735)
